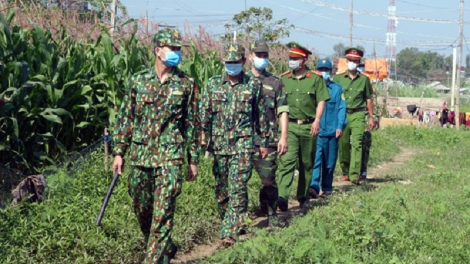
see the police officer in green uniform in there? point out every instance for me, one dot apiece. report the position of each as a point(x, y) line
point(276, 105)
point(306, 95)
point(357, 90)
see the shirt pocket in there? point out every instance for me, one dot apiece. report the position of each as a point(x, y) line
point(144, 114)
point(174, 103)
point(144, 102)
point(243, 101)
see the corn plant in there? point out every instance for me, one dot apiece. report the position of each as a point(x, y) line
point(59, 93)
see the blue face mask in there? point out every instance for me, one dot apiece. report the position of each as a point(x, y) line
point(233, 69)
point(360, 69)
point(260, 64)
point(173, 58)
point(326, 75)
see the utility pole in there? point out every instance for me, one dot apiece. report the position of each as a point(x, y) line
point(147, 21)
point(351, 25)
point(247, 27)
point(459, 65)
point(113, 17)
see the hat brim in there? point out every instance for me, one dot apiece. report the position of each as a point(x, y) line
point(352, 56)
point(260, 50)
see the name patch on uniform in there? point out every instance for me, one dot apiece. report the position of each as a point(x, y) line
point(268, 87)
point(178, 93)
point(143, 91)
point(246, 92)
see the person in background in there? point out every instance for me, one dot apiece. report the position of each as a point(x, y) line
point(367, 138)
point(332, 124)
point(276, 105)
point(156, 120)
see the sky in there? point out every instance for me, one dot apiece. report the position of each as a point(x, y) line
point(429, 25)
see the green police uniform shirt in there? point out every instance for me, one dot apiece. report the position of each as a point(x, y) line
point(157, 120)
point(230, 114)
point(356, 91)
point(276, 103)
point(303, 94)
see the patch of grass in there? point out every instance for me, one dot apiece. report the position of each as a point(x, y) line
point(62, 230)
point(422, 219)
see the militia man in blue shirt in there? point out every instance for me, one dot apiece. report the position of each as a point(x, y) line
point(332, 124)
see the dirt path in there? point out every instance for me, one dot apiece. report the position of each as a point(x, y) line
point(376, 172)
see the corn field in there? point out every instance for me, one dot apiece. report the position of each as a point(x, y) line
point(59, 93)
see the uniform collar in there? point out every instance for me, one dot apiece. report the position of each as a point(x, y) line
point(241, 79)
point(262, 75)
point(346, 74)
point(307, 74)
point(172, 75)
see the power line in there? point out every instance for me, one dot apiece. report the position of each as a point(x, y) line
point(380, 14)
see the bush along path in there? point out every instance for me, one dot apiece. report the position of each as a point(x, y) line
point(376, 174)
point(414, 209)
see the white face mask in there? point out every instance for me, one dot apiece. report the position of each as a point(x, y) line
point(352, 66)
point(294, 64)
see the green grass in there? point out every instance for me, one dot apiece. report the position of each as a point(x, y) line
point(423, 222)
point(392, 223)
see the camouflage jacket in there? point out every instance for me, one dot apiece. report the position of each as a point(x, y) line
point(230, 115)
point(276, 103)
point(157, 119)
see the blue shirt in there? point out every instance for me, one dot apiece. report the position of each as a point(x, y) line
point(334, 115)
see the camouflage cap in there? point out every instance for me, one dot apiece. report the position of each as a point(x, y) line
point(233, 51)
point(167, 37)
point(259, 46)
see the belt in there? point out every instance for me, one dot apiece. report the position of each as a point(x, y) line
point(354, 110)
point(302, 121)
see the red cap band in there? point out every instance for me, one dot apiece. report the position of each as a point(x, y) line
point(296, 52)
point(354, 53)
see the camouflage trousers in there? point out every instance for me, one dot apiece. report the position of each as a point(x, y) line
point(154, 192)
point(366, 144)
point(266, 169)
point(232, 173)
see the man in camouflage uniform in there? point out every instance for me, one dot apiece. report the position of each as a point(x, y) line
point(232, 109)
point(306, 95)
point(276, 105)
point(157, 116)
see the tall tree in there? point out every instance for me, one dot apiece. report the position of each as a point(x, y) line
point(257, 23)
point(339, 50)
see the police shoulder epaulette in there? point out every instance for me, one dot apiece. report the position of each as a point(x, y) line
point(284, 73)
point(317, 73)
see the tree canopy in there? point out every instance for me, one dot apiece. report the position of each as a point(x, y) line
point(257, 23)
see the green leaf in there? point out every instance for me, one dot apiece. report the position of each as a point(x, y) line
point(52, 118)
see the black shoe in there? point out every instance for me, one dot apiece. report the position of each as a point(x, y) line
point(171, 255)
point(282, 204)
point(173, 251)
point(312, 193)
point(304, 203)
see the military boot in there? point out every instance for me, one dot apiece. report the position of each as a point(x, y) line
point(171, 255)
point(273, 219)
